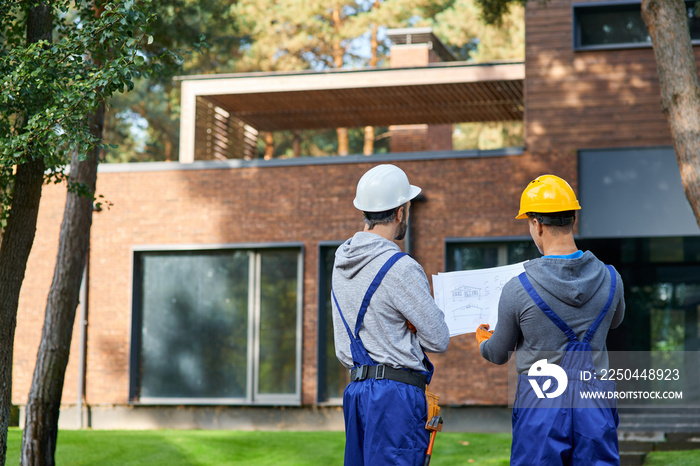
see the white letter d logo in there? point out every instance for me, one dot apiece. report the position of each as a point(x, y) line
point(542, 368)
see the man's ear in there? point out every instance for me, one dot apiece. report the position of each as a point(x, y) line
point(539, 226)
point(400, 213)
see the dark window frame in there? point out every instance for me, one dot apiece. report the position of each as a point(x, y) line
point(322, 395)
point(252, 397)
point(576, 28)
point(481, 241)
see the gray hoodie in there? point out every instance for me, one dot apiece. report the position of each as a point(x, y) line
point(576, 290)
point(404, 294)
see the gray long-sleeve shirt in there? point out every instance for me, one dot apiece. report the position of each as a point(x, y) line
point(404, 294)
point(576, 290)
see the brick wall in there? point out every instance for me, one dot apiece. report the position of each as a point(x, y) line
point(308, 204)
point(573, 100)
point(407, 55)
point(417, 138)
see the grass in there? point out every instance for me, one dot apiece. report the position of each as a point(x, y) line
point(673, 458)
point(220, 447)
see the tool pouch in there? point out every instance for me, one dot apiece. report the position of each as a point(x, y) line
point(433, 410)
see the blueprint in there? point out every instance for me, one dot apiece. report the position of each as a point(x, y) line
point(470, 297)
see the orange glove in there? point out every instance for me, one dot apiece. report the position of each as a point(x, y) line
point(483, 333)
point(410, 326)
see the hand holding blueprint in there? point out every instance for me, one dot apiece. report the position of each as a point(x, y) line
point(470, 297)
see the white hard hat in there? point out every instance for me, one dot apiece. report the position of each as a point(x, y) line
point(382, 188)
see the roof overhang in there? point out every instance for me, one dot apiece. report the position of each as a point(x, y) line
point(435, 94)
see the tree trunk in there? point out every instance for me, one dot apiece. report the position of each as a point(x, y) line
point(43, 404)
point(343, 141)
point(296, 143)
point(667, 23)
point(368, 147)
point(168, 141)
point(17, 243)
point(269, 146)
point(338, 53)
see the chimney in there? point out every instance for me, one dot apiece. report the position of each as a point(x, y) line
point(411, 48)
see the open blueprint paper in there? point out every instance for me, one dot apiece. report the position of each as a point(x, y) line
point(469, 298)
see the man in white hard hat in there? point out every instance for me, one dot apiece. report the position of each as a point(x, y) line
point(384, 319)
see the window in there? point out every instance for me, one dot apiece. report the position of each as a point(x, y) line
point(661, 279)
point(470, 255)
point(632, 193)
point(615, 25)
point(333, 377)
point(217, 326)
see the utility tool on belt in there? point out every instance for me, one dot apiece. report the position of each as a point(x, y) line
point(366, 368)
point(434, 424)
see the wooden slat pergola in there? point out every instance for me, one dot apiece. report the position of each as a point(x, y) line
point(436, 94)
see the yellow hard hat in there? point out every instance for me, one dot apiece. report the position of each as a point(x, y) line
point(547, 194)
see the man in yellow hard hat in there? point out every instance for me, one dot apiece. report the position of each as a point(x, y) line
point(376, 289)
point(556, 316)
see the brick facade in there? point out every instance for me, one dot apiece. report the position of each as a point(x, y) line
point(465, 197)
point(573, 100)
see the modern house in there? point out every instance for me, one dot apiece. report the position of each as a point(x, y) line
point(206, 299)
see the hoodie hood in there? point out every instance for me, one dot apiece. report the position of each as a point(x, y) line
point(360, 250)
point(573, 281)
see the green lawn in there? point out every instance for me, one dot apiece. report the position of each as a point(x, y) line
point(219, 447)
point(673, 458)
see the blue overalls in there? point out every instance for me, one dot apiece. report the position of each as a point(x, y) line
point(567, 429)
point(384, 419)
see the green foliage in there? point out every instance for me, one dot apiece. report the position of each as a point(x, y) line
point(293, 35)
point(462, 29)
point(289, 35)
point(49, 88)
point(493, 11)
point(320, 143)
point(488, 135)
point(144, 123)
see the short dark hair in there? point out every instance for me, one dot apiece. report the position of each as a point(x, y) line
point(377, 218)
point(560, 221)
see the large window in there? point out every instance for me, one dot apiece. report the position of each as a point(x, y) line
point(661, 277)
point(216, 326)
point(617, 25)
point(632, 192)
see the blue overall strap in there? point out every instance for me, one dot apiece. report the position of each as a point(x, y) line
point(570, 334)
point(601, 316)
point(372, 288)
point(347, 327)
point(360, 356)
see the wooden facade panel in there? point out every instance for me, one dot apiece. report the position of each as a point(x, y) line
point(595, 102)
point(577, 99)
point(548, 30)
